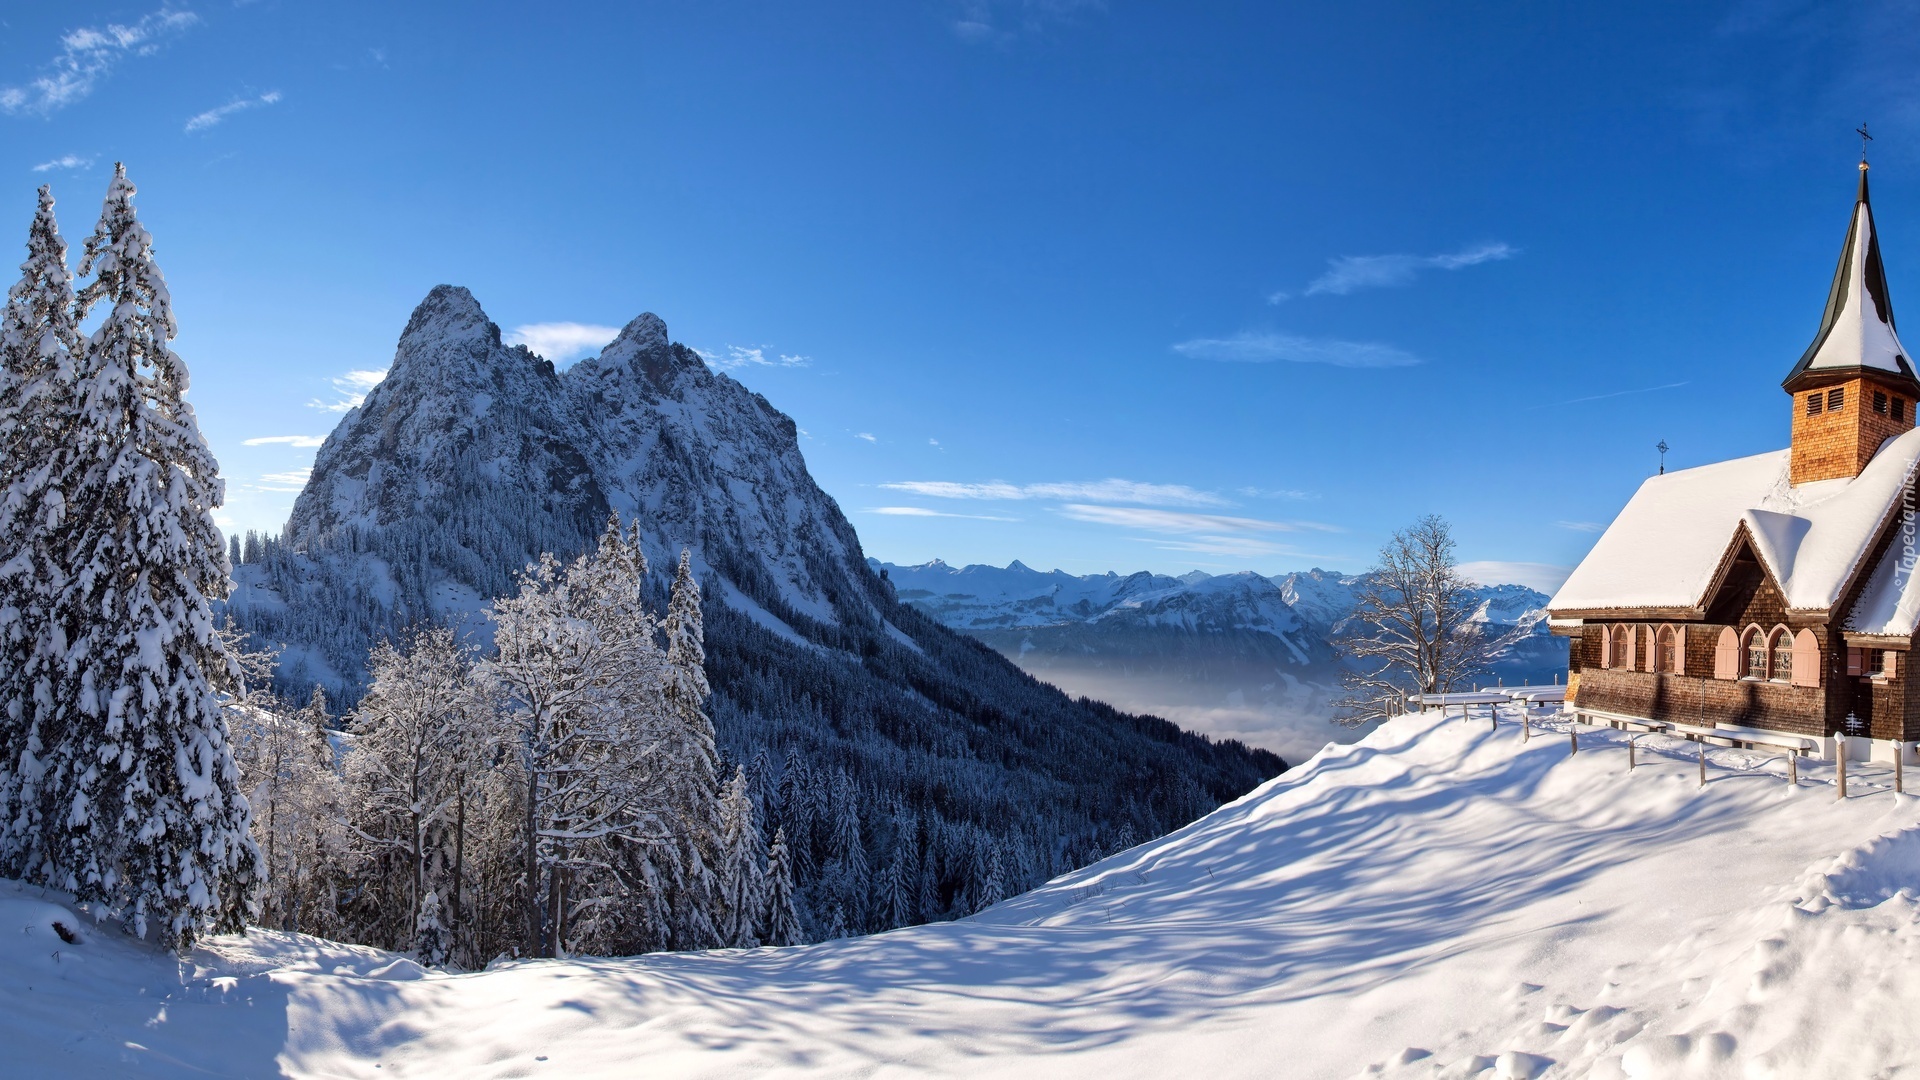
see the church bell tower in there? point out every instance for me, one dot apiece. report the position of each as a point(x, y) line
point(1854, 387)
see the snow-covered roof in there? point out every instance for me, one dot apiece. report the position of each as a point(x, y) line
point(1666, 546)
point(1857, 327)
point(1890, 603)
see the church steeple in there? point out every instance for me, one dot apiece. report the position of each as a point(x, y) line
point(1854, 387)
point(1857, 328)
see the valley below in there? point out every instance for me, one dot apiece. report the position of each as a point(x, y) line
point(1237, 656)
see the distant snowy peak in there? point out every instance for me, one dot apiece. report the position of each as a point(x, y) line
point(989, 597)
point(994, 598)
point(1322, 597)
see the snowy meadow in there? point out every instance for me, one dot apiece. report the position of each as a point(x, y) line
point(1440, 899)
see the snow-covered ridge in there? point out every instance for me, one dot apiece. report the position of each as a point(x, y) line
point(980, 597)
point(1439, 900)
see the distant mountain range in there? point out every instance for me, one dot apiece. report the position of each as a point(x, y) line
point(1237, 655)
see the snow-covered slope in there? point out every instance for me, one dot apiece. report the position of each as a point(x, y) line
point(1438, 900)
point(1235, 655)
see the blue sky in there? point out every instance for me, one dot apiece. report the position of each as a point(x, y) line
point(1091, 285)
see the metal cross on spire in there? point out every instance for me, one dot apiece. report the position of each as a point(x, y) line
point(1864, 140)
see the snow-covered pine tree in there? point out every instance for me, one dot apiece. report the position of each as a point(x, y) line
point(39, 341)
point(780, 922)
point(697, 905)
point(848, 876)
point(900, 881)
point(742, 877)
point(798, 811)
point(154, 824)
point(432, 943)
point(991, 886)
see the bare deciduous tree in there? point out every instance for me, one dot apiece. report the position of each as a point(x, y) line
point(1412, 628)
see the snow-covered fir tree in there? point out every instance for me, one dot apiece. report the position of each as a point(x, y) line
point(742, 875)
point(847, 880)
point(694, 778)
point(780, 923)
point(153, 822)
point(39, 342)
point(899, 882)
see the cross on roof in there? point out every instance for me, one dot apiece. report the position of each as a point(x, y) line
point(1864, 140)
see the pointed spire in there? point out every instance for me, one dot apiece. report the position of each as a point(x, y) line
point(1857, 329)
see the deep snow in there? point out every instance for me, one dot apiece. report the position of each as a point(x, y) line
point(1436, 900)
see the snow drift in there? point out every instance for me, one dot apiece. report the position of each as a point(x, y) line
point(1437, 900)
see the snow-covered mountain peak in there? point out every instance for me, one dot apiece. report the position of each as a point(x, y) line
point(527, 459)
point(646, 331)
point(449, 313)
point(642, 349)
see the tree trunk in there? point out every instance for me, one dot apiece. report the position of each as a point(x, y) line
point(459, 866)
point(419, 856)
point(556, 909)
point(534, 907)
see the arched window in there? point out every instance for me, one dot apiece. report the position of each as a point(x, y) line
point(1726, 654)
point(1755, 646)
point(1806, 659)
point(1663, 650)
point(1622, 648)
point(1780, 645)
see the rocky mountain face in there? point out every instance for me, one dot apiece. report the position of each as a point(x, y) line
point(486, 456)
point(473, 457)
point(1237, 655)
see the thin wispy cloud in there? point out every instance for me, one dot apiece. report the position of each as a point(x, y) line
point(88, 55)
point(65, 161)
point(1248, 347)
point(740, 356)
point(1112, 490)
point(923, 512)
point(866, 435)
point(562, 341)
point(298, 442)
point(1580, 526)
point(1351, 273)
point(213, 117)
point(1178, 521)
point(1274, 493)
point(1242, 547)
point(293, 480)
point(999, 22)
point(1543, 577)
point(1614, 394)
point(352, 388)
